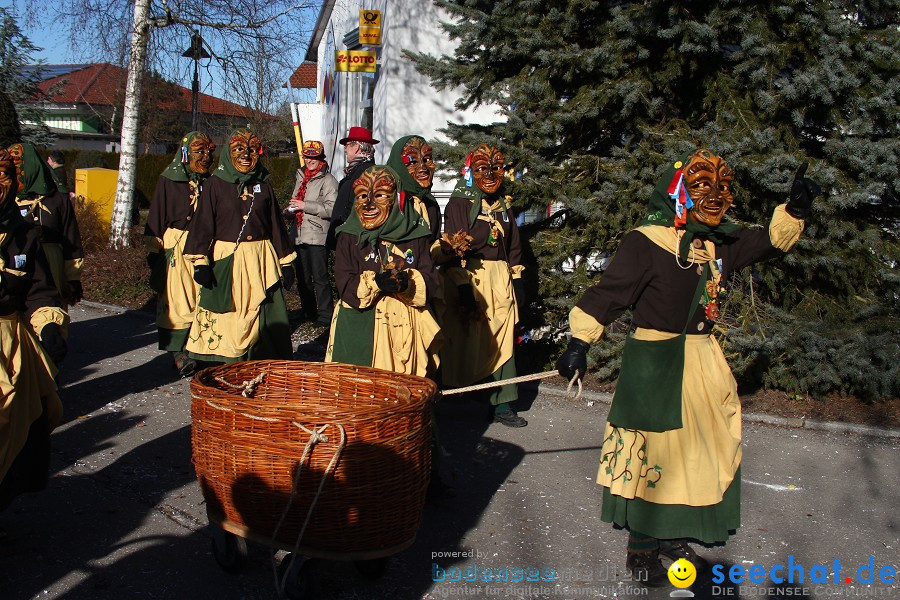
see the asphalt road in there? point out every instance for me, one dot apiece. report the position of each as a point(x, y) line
point(123, 516)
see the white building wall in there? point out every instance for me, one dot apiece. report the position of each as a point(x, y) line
point(404, 101)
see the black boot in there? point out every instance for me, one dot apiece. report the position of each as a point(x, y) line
point(646, 569)
point(675, 549)
point(186, 365)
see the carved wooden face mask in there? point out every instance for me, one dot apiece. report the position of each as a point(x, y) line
point(419, 163)
point(708, 178)
point(200, 154)
point(487, 168)
point(17, 153)
point(374, 191)
point(7, 175)
point(245, 149)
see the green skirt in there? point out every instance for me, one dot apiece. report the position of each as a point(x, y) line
point(708, 524)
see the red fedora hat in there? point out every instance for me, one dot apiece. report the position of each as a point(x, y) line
point(359, 134)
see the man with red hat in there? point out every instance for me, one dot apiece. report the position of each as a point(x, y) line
point(359, 148)
point(309, 213)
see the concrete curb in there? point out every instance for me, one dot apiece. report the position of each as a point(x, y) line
point(119, 310)
point(792, 422)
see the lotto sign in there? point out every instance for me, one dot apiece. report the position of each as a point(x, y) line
point(355, 61)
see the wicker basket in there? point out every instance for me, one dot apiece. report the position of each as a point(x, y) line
point(248, 452)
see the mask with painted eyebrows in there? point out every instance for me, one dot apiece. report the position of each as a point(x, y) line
point(17, 153)
point(487, 168)
point(374, 191)
point(200, 153)
point(708, 180)
point(7, 175)
point(245, 149)
point(416, 156)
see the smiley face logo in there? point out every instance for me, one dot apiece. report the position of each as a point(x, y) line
point(682, 573)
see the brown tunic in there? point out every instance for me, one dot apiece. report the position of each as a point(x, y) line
point(58, 224)
point(645, 278)
point(35, 288)
point(170, 207)
point(456, 218)
point(351, 260)
point(220, 215)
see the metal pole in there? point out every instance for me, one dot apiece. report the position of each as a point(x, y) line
point(195, 95)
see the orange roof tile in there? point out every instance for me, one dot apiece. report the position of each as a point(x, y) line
point(100, 83)
point(305, 76)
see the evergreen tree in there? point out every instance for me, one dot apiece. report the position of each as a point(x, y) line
point(599, 96)
point(19, 76)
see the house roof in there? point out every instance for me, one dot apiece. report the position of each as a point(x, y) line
point(312, 52)
point(100, 83)
point(305, 76)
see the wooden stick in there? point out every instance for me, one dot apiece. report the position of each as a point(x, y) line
point(513, 380)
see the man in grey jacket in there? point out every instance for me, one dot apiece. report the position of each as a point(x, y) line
point(309, 213)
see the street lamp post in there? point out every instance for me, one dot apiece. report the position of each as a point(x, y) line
point(195, 53)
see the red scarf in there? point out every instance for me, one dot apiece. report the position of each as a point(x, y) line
point(301, 191)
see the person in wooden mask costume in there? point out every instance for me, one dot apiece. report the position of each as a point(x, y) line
point(172, 210)
point(671, 454)
point(384, 277)
point(240, 250)
point(29, 302)
point(41, 203)
point(483, 290)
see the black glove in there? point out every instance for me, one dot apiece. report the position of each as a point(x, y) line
point(53, 342)
point(75, 292)
point(803, 191)
point(203, 274)
point(287, 276)
point(519, 291)
point(573, 360)
point(152, 259)
point(392, 282)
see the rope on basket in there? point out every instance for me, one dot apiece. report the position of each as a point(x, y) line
point(315, 436)
point(520, 379)
point(248, 387)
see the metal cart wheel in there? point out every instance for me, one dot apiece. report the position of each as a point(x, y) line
point(371, 569)
point(297, 575)
point(229, 550)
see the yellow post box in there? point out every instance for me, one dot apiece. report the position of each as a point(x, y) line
point(97, 187)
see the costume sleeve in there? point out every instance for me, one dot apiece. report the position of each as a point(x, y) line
point(456, 218)
point(515, 249)
point(755, 245)
point(621, 284)
point(202, 232)
point(156, 218)
point(423, 279)
point(784, 229)
point(72, 250)
point(323, 205)
point(355, 286)
point(585, 327)
point(284, 248)
point(43, 304)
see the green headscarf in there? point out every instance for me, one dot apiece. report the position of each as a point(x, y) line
point(226, 170)
point(179, 169)
point(37, 175)
point(474, 193)
point(407, 182)
point(10, 217)
point(401, 225)
point(661, 211)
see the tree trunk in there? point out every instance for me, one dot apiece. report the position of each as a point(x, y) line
point(121, 216)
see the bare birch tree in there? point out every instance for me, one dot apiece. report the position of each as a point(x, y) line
point(237, 33)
